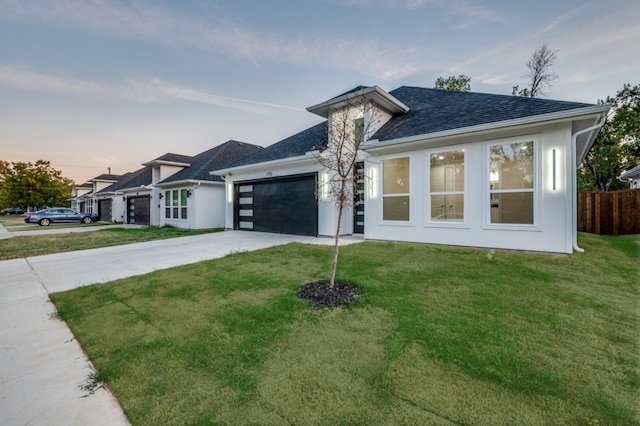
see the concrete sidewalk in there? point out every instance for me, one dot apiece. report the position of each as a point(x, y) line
point(41, 364)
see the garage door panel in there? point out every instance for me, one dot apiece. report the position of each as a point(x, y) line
point(285, 207)
point(139, 210)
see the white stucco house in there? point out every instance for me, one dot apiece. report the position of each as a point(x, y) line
point(442, 167)
point(77, 193)
point(172, 189)
point(192, 198)
point(84, 199)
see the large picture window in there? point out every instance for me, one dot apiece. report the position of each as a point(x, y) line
point(175, 204)
point(395, 189)
point(512, 183)
point(446, 186)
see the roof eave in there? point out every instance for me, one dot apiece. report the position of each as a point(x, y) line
point(309, 157)
point(187, 182)
point(373, 145)
point(631, 174)
point(165, 163)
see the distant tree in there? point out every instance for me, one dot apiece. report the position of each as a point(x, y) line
point(34, 185)
point(617, 147)
point(461, 83)
point(539, 75)
point(4, 166)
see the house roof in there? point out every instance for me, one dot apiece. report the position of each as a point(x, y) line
point(135, 179)
point(428, 111)
point(381, 98)
point(435, 110)
point(171, 159)
point(215, 158)
point(631, 174)
point(311, 139)
point(105, 177)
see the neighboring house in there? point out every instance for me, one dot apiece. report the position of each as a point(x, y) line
point(112, 200)
point(192, 198)
point(77, 192)
point(173, 189)
point(632, 177)
point(443, 167)
point(85, 200)
point(131, 199)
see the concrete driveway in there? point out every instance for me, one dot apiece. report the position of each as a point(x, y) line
point(41, 365)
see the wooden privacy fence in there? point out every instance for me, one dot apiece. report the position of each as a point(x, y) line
point(611, 213)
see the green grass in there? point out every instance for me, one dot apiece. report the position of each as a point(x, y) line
point(442, 335)
point(37, 245)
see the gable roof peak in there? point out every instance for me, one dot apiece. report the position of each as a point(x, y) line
point(379, 96)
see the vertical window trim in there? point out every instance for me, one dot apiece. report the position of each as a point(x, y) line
point(428, 222)
point(537, 184)
point(408, 222)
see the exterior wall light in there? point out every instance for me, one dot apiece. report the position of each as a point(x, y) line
point(553, 162)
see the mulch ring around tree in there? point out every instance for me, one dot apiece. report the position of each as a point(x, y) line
point(320, 294)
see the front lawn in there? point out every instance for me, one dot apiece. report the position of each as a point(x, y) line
point(37, 245)
point(441, 335)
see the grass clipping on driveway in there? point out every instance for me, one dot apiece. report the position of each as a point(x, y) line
point(440, 335)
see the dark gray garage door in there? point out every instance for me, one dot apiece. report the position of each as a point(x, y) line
point(283, 206)
point(139, 210)
point(104, 210)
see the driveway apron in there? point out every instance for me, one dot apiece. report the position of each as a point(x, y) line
point(42, 367)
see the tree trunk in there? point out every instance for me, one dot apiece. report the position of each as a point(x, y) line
point(336, 246)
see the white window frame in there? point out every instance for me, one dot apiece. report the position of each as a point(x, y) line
point(382, 221)
point(169, 204)
point(428, 222)
point(536, 190)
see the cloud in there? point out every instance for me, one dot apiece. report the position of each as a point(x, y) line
point(218, 34)
point(151, 90)
point(460, 8)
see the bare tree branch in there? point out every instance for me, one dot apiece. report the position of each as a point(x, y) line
point(539, 72)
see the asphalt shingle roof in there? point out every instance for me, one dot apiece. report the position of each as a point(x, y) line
point(106, 177)
point(434, 110)
point(430, 111)
point(215, 158)
point(174, 158)
point(138, 178)
point(308, 140)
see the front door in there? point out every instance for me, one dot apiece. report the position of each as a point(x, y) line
point(104, 210)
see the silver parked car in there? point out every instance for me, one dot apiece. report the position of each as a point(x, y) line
point(59, 215)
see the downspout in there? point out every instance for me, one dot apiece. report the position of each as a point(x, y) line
point(574, 179)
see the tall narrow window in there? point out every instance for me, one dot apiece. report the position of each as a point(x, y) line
point(183, 204)
point(175, 203)
point(395, 189)
point(446, 186)
point(167, 204)
point(358, 130)
point(511, 183)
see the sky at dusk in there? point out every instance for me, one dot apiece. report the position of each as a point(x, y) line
point(91, 85)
